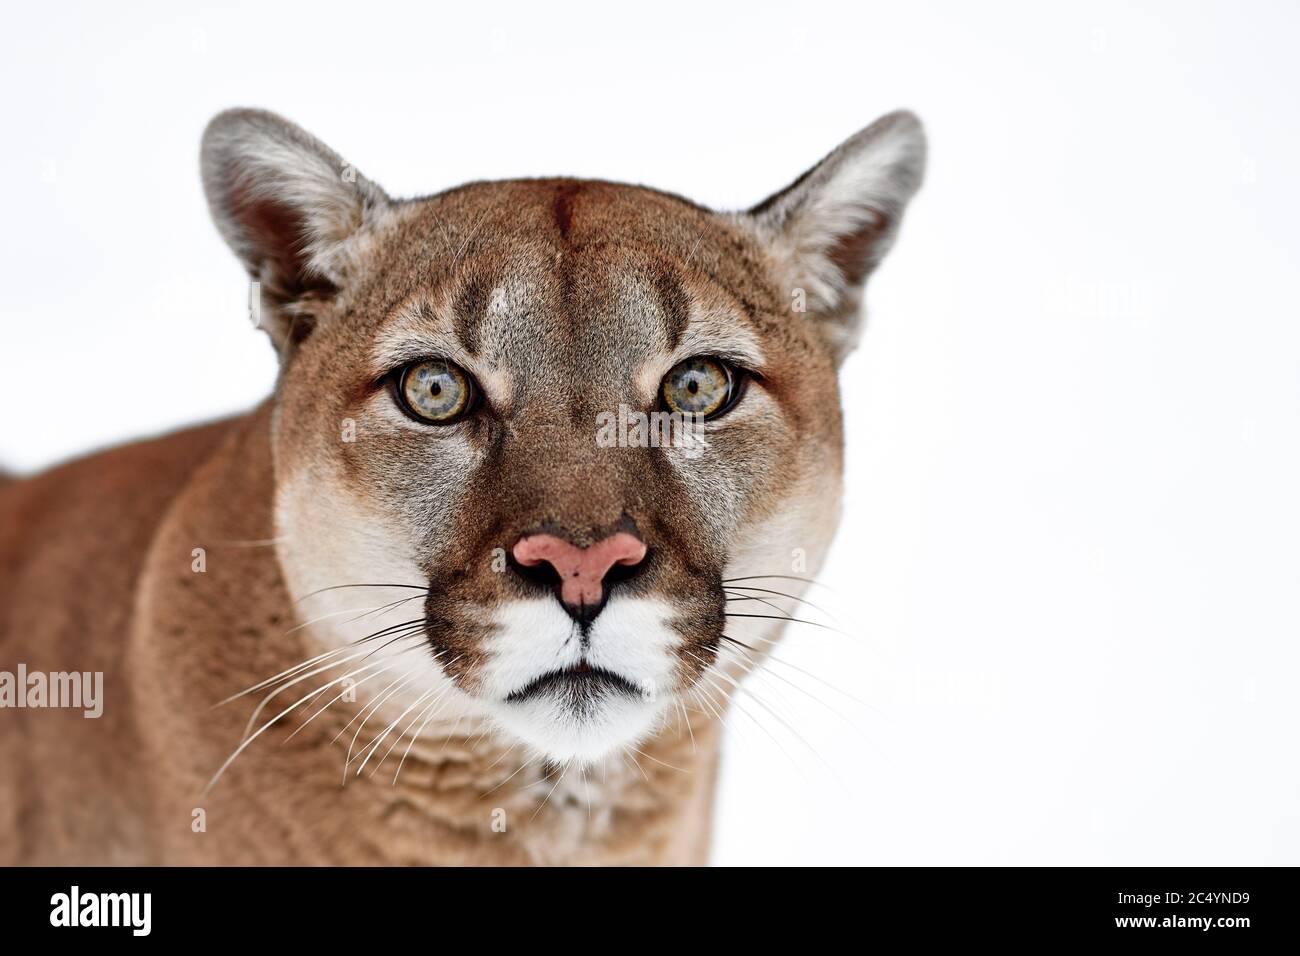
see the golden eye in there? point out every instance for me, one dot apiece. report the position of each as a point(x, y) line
point(698, 386)
point(435, 391)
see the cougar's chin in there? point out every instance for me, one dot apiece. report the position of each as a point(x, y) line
point(575, 696)
point(569, 719)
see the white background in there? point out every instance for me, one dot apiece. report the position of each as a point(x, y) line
point(1071, 548)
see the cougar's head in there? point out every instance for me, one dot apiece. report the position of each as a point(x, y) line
point(558, 420)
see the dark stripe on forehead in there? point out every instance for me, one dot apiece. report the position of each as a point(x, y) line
point(674, 302)
point(563, 209)
point(468, 310)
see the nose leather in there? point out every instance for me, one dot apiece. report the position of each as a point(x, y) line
point(582, 570)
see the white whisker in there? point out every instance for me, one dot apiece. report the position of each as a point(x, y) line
point(248, 739)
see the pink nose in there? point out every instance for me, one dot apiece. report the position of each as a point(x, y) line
point(581, 570)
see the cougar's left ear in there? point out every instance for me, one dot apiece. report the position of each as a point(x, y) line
point(291, 210)
point(830, 228)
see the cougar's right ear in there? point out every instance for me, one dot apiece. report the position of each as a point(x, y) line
point(830, 228)
point(290, 208)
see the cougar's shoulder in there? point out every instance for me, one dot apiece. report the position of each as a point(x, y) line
point(67, 518)
point(72, 543)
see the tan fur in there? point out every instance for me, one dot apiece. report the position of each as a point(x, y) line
point(563, 298)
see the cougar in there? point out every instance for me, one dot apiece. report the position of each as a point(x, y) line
point(467, 588)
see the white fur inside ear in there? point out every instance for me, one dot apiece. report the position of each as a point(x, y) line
point(831, 228)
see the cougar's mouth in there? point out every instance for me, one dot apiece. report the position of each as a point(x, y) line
point(581, 684)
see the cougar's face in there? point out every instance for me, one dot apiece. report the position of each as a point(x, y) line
point(553, 419)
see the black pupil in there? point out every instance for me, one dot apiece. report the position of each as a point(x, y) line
point(435, 389)
point(692, 386)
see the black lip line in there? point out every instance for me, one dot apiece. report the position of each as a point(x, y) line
point(592, 676)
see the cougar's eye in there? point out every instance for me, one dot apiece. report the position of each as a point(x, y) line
point(435, 390)
point(699, 386)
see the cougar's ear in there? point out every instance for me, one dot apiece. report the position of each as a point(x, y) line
point(831, 227)
point(291, 210)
